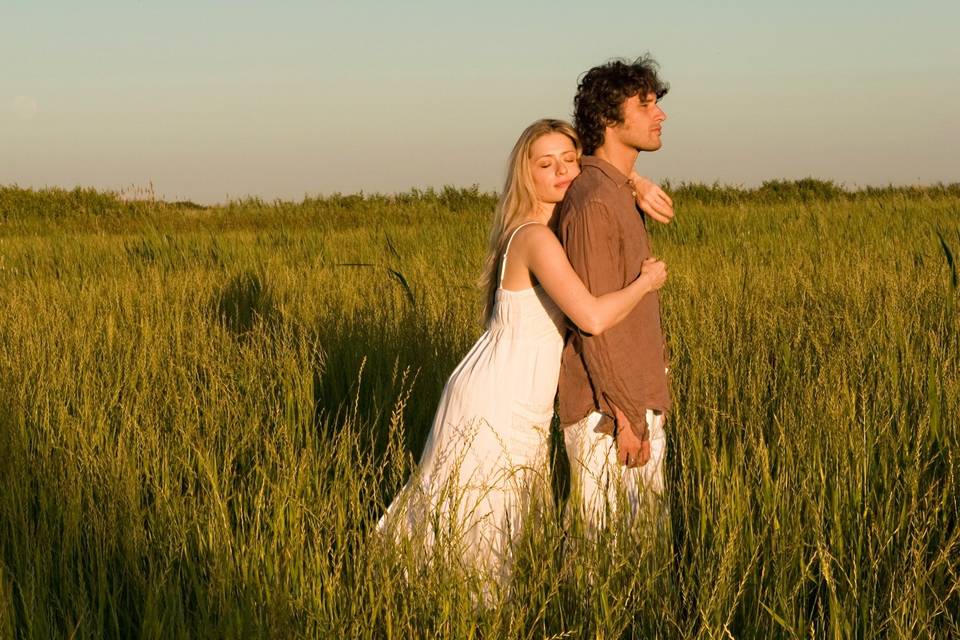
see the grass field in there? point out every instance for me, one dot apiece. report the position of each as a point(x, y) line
point(204, 410)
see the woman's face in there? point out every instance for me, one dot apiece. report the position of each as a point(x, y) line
point(553, 164)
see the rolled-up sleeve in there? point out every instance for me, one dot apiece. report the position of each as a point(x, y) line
point(592, 238)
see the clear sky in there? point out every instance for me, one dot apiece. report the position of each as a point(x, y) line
point(216, 99)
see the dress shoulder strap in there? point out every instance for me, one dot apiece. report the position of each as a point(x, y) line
point(506, 249)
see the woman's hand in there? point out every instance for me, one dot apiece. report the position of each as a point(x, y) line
point(651, 199)
point(654, 272)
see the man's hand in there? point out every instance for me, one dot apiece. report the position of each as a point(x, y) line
point(631, 450)
point(651, 199)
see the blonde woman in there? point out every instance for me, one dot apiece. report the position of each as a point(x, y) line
point(486, 454)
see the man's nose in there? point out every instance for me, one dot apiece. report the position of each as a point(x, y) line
point(662, 115)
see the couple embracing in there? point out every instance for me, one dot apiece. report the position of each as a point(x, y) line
point(572, 301)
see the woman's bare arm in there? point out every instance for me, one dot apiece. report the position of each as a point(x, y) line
point(547, 261)
point(653, 200)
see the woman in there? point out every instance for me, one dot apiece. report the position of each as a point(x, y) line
point(486, 455)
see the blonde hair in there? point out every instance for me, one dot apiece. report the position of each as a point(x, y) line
point(518, 200)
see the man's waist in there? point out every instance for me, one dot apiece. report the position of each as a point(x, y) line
point(571, 412)
point(578, 395)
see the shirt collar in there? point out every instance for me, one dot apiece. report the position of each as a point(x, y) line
point(608, 169)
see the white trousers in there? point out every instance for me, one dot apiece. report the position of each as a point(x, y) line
point(600, 484)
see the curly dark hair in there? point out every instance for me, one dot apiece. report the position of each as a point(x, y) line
point(602, 91)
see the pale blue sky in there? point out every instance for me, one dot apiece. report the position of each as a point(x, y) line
point(215, 99)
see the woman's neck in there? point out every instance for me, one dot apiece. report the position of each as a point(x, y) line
point(545, 214)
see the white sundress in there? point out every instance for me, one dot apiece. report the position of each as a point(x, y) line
point(488, 448)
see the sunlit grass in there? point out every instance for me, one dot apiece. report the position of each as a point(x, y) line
point(204, 411)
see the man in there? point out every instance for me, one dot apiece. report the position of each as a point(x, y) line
point(615, 384)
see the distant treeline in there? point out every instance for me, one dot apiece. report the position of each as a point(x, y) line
point(23, 204)
point(805, 190)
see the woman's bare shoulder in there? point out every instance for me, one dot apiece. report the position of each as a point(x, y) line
point(535, 234)
point(537, 239)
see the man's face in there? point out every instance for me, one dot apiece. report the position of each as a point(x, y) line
point(642, 123)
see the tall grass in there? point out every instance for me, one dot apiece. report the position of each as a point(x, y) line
point(203, 412)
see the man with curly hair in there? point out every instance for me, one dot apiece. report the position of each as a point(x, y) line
point(614, 393)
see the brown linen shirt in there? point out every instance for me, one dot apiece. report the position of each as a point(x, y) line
point(604, 235)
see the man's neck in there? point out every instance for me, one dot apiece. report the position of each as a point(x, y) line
point(619, 155)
